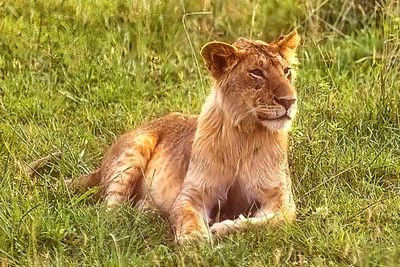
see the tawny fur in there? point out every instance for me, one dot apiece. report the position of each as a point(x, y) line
point(226, 169)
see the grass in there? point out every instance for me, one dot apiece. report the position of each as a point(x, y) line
point(76, 74)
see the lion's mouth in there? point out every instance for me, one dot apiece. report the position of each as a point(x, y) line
point(262, 117)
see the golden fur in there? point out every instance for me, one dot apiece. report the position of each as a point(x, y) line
point(227, 168)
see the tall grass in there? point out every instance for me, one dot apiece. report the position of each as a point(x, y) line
point(76, 74)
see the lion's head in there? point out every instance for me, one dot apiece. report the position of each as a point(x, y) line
point(255, 79)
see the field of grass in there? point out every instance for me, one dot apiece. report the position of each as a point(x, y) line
point(76, 74)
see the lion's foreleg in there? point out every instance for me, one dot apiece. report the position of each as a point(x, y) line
point(189, 216)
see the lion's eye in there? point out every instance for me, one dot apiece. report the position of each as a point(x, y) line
point(288, 72)
point(257, 73)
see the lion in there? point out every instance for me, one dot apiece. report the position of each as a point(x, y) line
point(224, 170)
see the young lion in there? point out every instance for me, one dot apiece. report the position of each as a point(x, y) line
point(230, 161)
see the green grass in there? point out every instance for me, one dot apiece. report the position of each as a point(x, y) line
point(76, 74)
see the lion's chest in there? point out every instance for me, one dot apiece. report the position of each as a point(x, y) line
point(246, 185)
point(261, 168)
point(234, 204)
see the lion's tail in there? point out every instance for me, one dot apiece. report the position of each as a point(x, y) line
point(80, 184)
point(85, 182)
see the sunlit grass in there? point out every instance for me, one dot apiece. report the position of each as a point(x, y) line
point(76, 74)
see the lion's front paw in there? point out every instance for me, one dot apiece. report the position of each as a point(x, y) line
point(192, 237)
point(222, 228)
point(225, 227)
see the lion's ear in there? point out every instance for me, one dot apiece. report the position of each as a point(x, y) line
point(287, 46)
point(219, 57)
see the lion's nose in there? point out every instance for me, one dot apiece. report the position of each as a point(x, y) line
point(286, 102)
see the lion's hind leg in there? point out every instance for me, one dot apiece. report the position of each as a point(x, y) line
point(124, 174)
